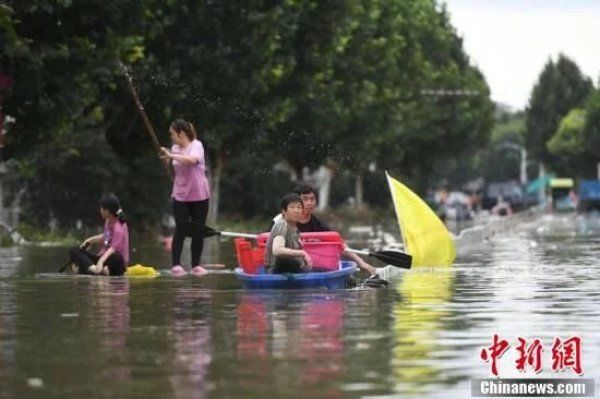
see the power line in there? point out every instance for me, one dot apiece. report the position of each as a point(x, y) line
point(445, 92)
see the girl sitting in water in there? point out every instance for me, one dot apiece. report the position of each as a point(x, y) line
point(283, 252)
point(113, 257)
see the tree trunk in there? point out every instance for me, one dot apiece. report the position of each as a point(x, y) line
point(297, 172)
point(323, 178)
point(358, 191)
point(215, 190)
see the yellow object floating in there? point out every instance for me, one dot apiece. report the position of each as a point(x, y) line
point(425, 236)
point(141, 271)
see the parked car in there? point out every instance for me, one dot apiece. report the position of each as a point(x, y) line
point(511, 192)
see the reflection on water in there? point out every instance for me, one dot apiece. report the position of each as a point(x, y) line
point(295, 340)
point(78, 336)
point(7, 332)
point(191, 340)
point(419, 320)
point(112, 302)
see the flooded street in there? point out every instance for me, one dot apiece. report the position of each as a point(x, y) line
point(72, 337)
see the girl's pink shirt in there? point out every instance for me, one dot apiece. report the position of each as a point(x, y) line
point(190, 183)
point(116, 236)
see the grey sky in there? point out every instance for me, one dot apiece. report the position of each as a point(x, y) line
point(511, 40)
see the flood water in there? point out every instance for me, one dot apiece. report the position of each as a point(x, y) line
point(76, 337)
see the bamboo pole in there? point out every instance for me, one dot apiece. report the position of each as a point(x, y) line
point(147, 123)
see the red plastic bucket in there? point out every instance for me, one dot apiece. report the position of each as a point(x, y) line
point(321, 236)
point(243, 251)
point(258, 257)
point(324, 255)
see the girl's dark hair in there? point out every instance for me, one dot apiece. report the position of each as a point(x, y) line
point(179, 125)
point(288, 199)
point(111, 203)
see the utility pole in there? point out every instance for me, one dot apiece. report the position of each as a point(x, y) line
point(523, 163)
point(523, 166)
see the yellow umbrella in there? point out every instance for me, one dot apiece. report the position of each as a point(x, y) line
point(425, 237)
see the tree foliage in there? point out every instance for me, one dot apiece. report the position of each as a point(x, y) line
point(568, 146)
point(568, 140)
point(560, 88)
point(298, 81)
point(591, 130)
point(62, 56)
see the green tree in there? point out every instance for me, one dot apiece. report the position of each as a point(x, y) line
point(568, 140)
point(63, 57)
point(591, 134)
point(560, 88)
point(393, 60)
point(300, 81)
point(434, 124)
point(592, 123)
point(236, 74)
point(306, 124)
point(567, 145)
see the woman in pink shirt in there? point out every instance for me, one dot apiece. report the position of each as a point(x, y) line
point(190, 193)
point(113, 257)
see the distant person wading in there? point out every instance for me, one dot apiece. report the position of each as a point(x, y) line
point(190, 193)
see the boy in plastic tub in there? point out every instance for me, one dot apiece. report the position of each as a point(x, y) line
point(283, 251)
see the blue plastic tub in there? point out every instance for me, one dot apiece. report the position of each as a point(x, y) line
point(333, 279)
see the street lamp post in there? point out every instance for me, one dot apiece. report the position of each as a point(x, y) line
point(523, 166)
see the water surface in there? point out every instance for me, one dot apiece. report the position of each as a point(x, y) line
point(74, 337)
